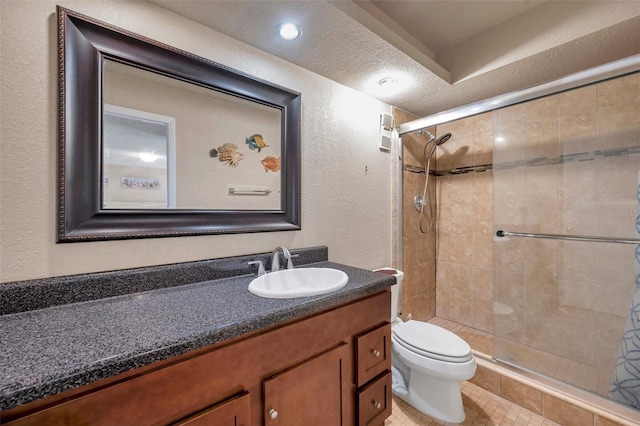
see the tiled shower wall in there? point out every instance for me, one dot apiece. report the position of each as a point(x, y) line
point(464, 247)
point(463, 225)
point(418, 250)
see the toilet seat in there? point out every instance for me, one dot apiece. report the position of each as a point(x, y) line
point(431, 341)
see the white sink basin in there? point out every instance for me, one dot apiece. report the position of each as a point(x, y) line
point(301, 282)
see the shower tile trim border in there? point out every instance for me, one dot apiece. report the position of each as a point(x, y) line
point(570, 158)
point(541, 161)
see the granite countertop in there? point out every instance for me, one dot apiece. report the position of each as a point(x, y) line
point(54, 349)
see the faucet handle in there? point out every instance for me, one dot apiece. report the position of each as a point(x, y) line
point(261, 270)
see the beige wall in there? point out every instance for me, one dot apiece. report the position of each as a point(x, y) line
point(346, 180)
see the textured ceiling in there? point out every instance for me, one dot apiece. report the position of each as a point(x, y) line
point(442, 25)
point(444, 53)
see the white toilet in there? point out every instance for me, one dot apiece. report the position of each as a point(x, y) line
point(428, 362)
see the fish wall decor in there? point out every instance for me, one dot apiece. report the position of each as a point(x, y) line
point(271, 164)
point(227, 153)
point(256, 142)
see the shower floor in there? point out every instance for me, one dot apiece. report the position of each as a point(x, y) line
point(571, 372)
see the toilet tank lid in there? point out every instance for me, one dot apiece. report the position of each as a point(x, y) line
point(432, 338)
point(390, 271)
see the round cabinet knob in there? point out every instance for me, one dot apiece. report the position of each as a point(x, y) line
point(376, 404)
point(375, 353)
point(273, 413)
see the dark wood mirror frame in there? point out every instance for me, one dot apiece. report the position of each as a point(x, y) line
point(83, 43)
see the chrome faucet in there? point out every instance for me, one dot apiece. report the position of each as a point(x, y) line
point(261, 270)
point(275, 258)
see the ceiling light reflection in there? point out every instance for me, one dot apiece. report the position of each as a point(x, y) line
point(147, 157)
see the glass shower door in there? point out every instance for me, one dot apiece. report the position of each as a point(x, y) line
point(566, 170)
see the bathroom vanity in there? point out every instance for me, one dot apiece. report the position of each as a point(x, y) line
point(316, 361)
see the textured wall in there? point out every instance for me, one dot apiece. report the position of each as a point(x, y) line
point(346, 180)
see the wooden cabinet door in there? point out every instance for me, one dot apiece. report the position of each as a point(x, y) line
point(373, 353)
point(313, 393)
point(234, 411)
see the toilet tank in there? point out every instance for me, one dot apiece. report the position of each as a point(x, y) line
point(396, 292)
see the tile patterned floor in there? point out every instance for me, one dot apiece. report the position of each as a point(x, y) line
point(481, 407)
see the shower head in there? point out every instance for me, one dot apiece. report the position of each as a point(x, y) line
point(428, 133)
point(442, 139)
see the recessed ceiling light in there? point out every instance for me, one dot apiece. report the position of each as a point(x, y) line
point(289, 31)
point(388, 82)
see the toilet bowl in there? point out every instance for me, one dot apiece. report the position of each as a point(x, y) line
point(428, 362)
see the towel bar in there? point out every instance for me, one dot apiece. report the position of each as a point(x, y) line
point(502, 233)
point(239, 191)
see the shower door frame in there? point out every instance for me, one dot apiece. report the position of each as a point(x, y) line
point(607, 71)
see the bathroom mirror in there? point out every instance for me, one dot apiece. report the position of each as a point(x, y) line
point(158, 142)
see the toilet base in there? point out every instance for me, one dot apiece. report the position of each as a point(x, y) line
point(436, 398)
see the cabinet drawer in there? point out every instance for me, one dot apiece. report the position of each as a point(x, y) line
point(374, 401)
point(234, 411)
point(373, 353)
